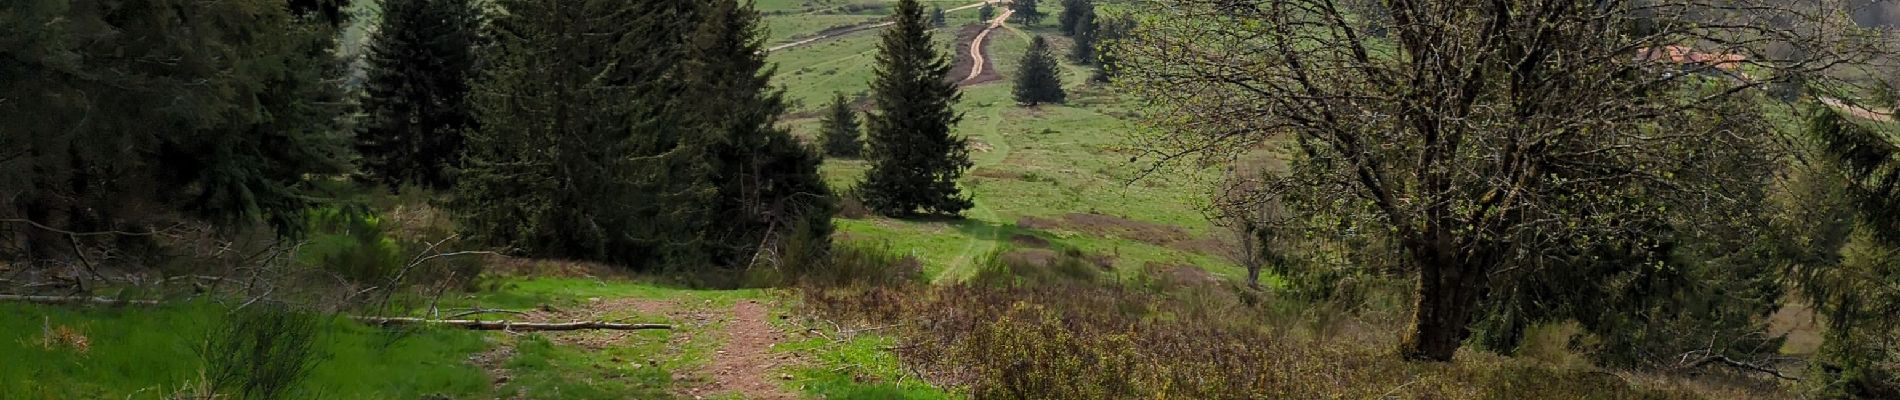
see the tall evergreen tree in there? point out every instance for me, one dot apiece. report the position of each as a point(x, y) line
point(1027, 12)
point(1085, 35)
point(768, 183)
point(1074, 15)
point(121, 113)
point(580, 152)
point(915, 162)
point(841, 130)
point(1040, 80)
point(420, 60)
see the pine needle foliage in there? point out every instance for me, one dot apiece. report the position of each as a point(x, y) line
point(915, 162)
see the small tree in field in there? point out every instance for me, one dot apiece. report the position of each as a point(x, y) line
point(1026, 12)
point(1040, 80)
point(1074, 15)
point(841, 132)
point(1086, 32)
point(937, 17)
point(915, 162)
point(986, 13)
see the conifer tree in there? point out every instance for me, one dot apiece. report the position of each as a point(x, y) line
point(768, 183)
point(1026, 12)
point(120, 113)
point(1074, 15)
point(1085, 34)
point(937, 17)
point(915, 162)
point(421, 57)
point(580, 153)
point(841, 132)
point(1039, 81)
point(986, 13)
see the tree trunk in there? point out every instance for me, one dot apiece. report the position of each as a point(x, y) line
point(1448, 293)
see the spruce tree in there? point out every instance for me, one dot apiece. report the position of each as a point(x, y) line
point(1085, 34)
point(915, 162)
point(1074, 14)
point(769, 189)
point(986, 13)
point(580, 152)
point(937, 17)
point(1040, 79)
point(1027, 12)
point(416, 110)
point(119, 114)
point(840, 130)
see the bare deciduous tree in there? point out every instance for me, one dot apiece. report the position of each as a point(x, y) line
point(1478, 134)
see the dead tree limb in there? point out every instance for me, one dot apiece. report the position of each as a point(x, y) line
point(76, 299)
point(510, 325)
point(1724, 360)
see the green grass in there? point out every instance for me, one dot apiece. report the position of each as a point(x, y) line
point(1043, 162)
point(790, 27)
point(148, 353)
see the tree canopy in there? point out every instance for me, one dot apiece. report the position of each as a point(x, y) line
point(915, 162)
point(1485, 141)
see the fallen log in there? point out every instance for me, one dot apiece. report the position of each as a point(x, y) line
point(76, 299)
point(510, 325)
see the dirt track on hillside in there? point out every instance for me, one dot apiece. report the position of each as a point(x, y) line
point(964, 70)
point(982, 69)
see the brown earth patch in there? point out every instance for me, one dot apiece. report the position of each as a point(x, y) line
point(1029, 241)
point(1180, 274)
point(1041, 258)
point(1164, 235)
point(1801, 326)
point(493, 361)
point(997, 173)
point(965, 61)
point(514, 266)
point(745, 363)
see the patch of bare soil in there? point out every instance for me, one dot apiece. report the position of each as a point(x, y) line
point(744, 364)
point(1147, 232)
point(1183, 275)
point(1801, 326)
point(966, 61)
point(492, 362)
point(1029, 241)
point(512, 266)
point(997, 173)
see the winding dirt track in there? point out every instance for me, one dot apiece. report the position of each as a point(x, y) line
point(976, 46)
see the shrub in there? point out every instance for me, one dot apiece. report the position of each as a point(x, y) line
point(353, 244)
point(1006, 267)
point(261, 352)
point(839, 265)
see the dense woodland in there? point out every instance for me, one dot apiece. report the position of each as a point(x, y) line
point(1416, 191)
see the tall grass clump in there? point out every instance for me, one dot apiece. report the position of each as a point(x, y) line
point(262, 352)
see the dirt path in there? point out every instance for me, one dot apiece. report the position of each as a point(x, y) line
point(977, 56)
point(744, 364)
point(859, 28)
